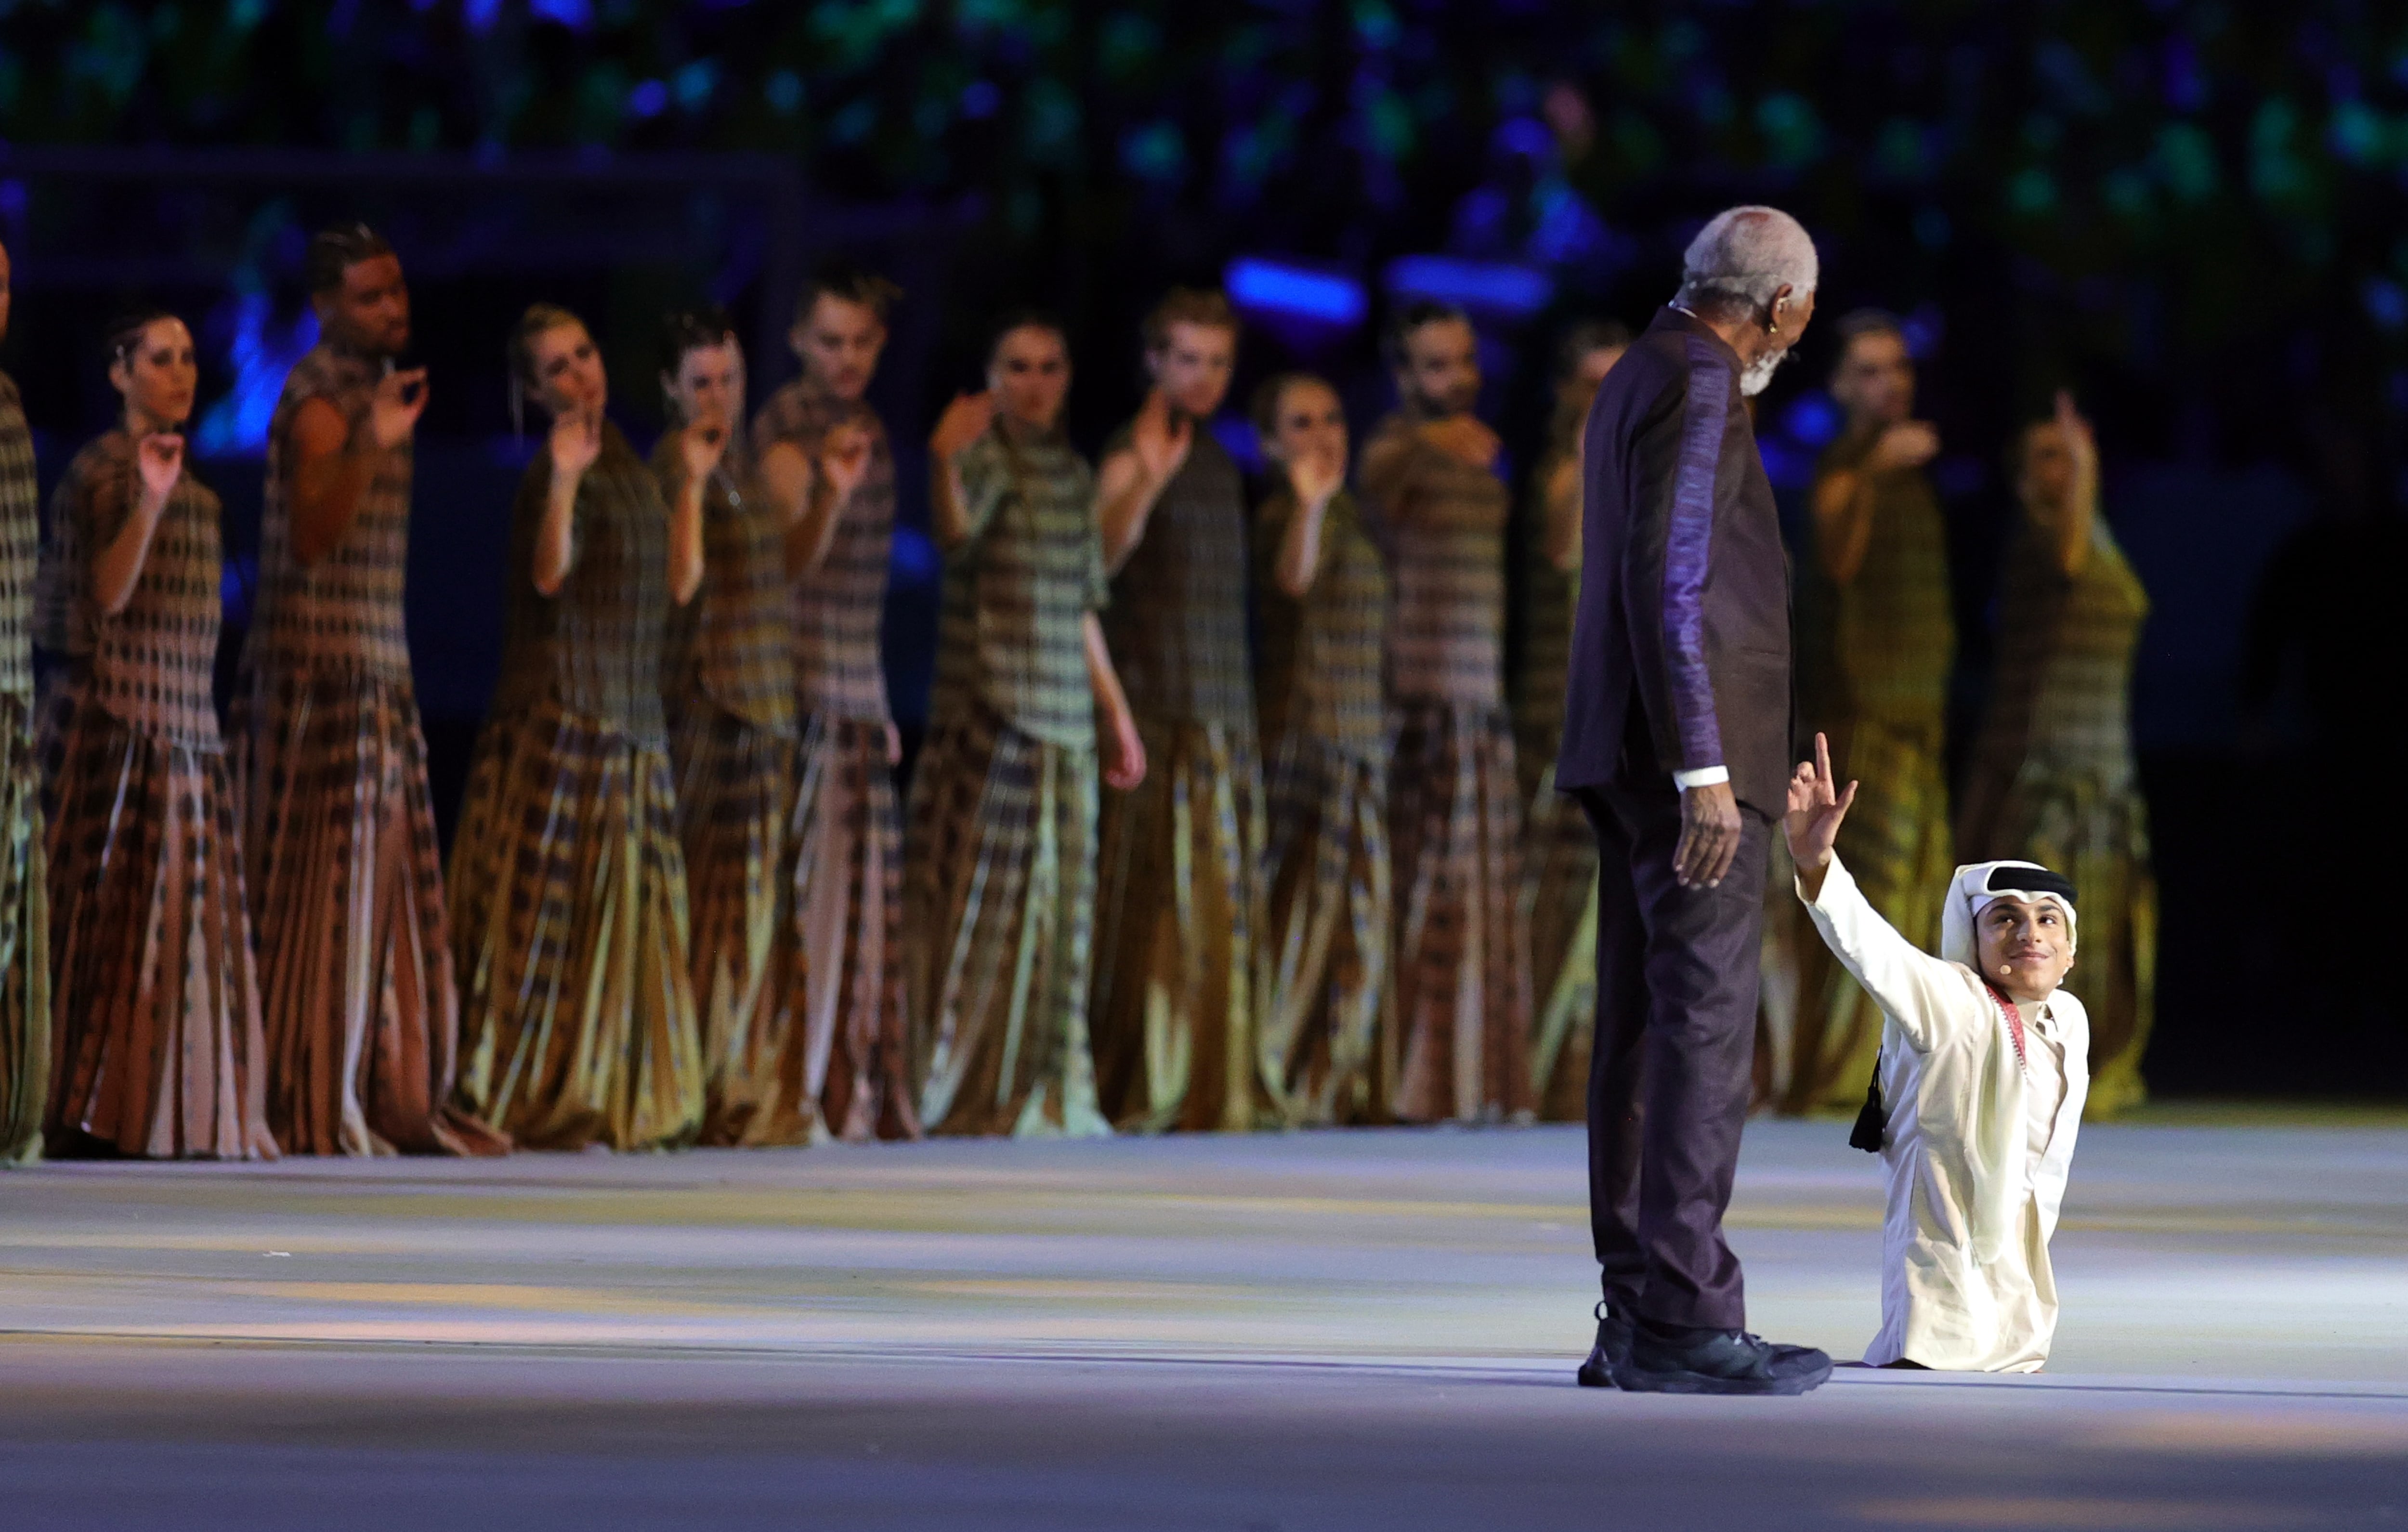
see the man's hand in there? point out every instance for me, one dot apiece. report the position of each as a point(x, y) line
point(1815, 811)
point(1465, 437)
point(1909, 444)
point(1709, 835)
point(844, 459)
point(1160, 440)
point(393, 413)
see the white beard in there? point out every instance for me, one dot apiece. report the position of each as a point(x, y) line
point(1759, 372)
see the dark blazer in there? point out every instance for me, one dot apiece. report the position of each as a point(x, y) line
point(1681, 647)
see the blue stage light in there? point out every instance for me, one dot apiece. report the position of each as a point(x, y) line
point(1274, 289)
point(1489, 287)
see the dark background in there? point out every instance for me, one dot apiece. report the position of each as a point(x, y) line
point(2188, 213)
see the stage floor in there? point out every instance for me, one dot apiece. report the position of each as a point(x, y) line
point(1272, 1334)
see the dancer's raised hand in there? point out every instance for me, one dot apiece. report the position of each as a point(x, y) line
point(159, 457)
point(400, 398)
point(576, 441)
point(963, 422)
point(844, 459)
point(1159, 439)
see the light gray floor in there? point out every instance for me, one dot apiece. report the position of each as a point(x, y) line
point(1290, 1332)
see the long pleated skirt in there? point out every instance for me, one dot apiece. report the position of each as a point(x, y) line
point(998, 930)
point(1179, 912)
point(1897, 843)
point(24, 940)
point(734, 795)
point(1462, 1004)
point(357, 987)
point(1326, 934)
point(159, 1048)
point(2096, 831)
point(1560, 894)
point(851, 1052)
point(569, 908)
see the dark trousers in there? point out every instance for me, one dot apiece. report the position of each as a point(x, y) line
point(1673, 1064)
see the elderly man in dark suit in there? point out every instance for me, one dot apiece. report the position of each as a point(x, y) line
point(1676, 743)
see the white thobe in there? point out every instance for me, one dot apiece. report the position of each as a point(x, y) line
point(1977, 1151)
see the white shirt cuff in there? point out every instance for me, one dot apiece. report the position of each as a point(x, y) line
point(1701, 777)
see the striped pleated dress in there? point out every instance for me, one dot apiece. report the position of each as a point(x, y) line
point(844, 848)
point(1327, 928)
point(24, 893)
point(1873, 662)
point(1559, 882)
point(568, 898)
point(1180, 894)
point(1000, 880)
point(159, 1049)
point(1462, 974)
point(2053, 781)
point(356, 986)
point(729, 695)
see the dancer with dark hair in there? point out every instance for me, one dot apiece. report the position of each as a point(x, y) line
point(356, 986)
point(1876, 640)
point(728, 686)
point(1462, 985)
point(1002, 862)
point(25, 872)
point(568, 896)
point(1324, 597)
point(1559, 868)
point(159, 1051)
point(1179, 907)
point(827, 465)
point(2053, 778)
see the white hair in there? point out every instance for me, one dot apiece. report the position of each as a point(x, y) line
point(1744, 255)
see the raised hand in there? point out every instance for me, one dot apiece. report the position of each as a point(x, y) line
point(1315, 477)
point(576, 441)
point(963, 422)
point(1159, 442)
point(1909, 444)
point(2079, 440)
point(844, 459)
point(700, 447)
point(1464, 437)
point(1815, 809)
point(399, 399)
point(159, 457)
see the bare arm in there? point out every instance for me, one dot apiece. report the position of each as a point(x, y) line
point(1126, 494)
point(948, 504)
point(1299, 553)
point(1125, 757)
point(1560, 538)
point(1843, 523)
point(686, 539)
point(787, 479)
point(118, 567)
point(330, 477)
point(328, 480)
point(2081, 501)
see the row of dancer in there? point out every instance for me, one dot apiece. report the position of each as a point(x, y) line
point(676, 909)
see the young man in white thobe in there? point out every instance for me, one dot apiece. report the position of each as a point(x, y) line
point(1984, 1067)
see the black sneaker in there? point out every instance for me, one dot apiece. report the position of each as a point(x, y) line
point(1719, 1362)
point(1611, 1353)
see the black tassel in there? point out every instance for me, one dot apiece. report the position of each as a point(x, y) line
point(1873, 1123)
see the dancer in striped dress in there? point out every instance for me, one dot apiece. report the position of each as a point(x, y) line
point(1324, 599)
point(729, 694)
point(159, 1050)
point(1462, 951)
point(568, 896)
point(24, 896)
point(824, 456)
point(1179, 909)
point(357, 987)
point(1002, 864)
